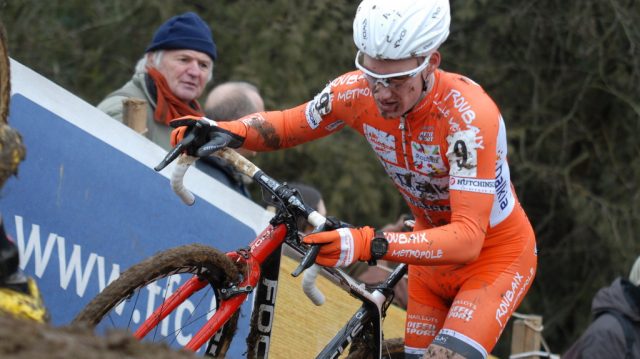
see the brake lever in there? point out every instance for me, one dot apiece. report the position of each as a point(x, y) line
point(308, 260)
point(175, 152)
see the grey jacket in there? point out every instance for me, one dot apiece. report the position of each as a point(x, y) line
point(138, 87)
point(604, 338)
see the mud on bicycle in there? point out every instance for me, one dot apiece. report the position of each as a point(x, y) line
point(190, 296)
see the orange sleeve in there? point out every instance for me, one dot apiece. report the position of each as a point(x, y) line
point(268, 131)
point(455, 243)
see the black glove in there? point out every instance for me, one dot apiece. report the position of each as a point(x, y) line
point(198, 136)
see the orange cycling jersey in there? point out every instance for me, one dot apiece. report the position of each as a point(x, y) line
point(448, 158)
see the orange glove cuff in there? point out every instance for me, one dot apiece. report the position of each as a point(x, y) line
point(343, 246)
point(177, 135)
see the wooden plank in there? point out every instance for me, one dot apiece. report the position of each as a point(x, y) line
point(135, 114)
point(526, 335)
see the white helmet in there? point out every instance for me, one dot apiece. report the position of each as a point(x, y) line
point(399, 29)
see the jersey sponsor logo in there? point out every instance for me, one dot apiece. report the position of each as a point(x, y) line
point(465, 113)
point(502, 188)
point(417, 254)
point(407, 238)
point(504, 198)
point(462, 105)
point(418, 185)
point(318, 107)
point(472, 185)
point(347, 79)
point(382, 143)
point(509, 299)
point(426, 135)
point(462, 154)
point(428, 159)
point(353, 94)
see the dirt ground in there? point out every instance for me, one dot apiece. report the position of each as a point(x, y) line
point(21, 339)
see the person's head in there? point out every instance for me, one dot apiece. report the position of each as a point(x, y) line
point(634, 274)
point(232, 100)
point(183, 51)
point(397, 45)
point(312, 198)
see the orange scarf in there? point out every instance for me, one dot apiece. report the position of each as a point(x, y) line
point(168, 106)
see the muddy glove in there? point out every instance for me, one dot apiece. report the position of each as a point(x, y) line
point(203, 136)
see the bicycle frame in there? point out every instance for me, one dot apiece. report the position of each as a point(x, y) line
point(261, 247)
point(262, 278)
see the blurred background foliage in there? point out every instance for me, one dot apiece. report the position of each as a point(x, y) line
point(564, 73)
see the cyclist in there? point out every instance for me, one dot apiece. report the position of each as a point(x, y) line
point(442, 140)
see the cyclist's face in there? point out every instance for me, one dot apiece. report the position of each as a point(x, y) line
point(395, 95)
point(186, 72)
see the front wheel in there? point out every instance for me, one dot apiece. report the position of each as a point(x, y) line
point(391, 349)
point(130, 299)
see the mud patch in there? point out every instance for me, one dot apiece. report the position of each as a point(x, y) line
point(26, 340)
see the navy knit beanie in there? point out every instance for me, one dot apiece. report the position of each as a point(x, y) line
point(186, 31)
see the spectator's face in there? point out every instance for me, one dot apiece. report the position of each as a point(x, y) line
point(186, 72)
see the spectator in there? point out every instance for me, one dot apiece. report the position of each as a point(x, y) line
point(225, 102)
point(615, 330)
point(171, 75)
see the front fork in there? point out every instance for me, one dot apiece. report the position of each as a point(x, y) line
point(232, 298)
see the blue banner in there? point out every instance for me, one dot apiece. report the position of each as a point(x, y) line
point(87, 203)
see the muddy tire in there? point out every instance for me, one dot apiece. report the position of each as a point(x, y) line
point(121, 298)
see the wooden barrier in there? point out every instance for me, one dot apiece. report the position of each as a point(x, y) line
point(134, 114)
point(526, 339)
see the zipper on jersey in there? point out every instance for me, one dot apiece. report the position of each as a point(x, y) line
point(403, 130)
point(403, 127)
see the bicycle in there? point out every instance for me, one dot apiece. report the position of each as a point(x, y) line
point(224, 280)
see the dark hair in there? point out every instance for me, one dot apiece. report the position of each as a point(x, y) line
point(233, 103)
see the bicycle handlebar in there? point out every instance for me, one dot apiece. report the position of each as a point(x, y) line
point(247, 168)
point(177, 179)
